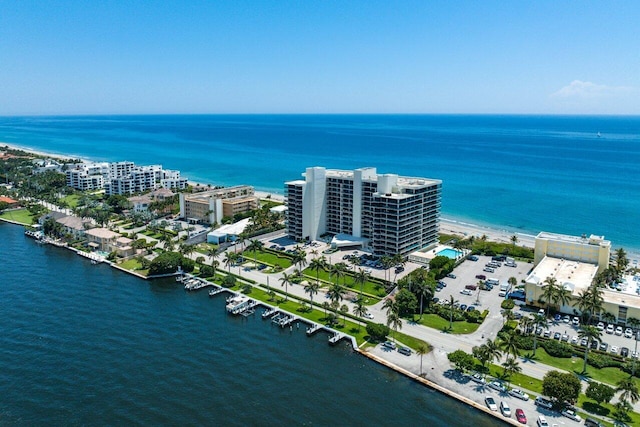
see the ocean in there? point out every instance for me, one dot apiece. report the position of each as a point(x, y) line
point(564, 174)
point(84, 344)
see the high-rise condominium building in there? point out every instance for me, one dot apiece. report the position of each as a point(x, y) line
point(393, 214)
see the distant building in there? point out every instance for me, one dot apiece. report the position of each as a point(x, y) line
point(212, 205)
point(122, 178)
point(105, 240)
point(387, 213)
point(9, 201)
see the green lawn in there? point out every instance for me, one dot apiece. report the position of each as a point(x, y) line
point(372, 288)
point(268, 258)
point(133, 265)
point(23, 216)
point(609, 376)
point(436, 322)
point(71, 200)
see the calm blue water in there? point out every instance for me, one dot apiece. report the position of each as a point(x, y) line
point(524, 173)
point(88, 345)
point(449, 253)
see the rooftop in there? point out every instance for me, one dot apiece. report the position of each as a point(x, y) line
point(574, 275)
point(591, 240)
point(102, 233)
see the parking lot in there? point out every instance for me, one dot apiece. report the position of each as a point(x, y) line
point(465, 275)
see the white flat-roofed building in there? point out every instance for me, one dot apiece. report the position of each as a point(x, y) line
point(212, 205)
point(574, 263)
point(394, 214)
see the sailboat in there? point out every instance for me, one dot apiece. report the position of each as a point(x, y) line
point(599, 135)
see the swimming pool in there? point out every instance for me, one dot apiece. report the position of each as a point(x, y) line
point(449, 253)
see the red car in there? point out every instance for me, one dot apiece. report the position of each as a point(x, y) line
point(520, 416)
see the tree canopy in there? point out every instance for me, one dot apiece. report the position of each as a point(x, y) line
point(562, 386)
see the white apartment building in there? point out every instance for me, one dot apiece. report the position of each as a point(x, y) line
point(390, 213)
point(212, 205)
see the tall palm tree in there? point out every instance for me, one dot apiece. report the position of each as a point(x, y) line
point(538, 321)
point(344, 309)
point(336, 292)
point(509, 343)
point(590, 333)
point(359, 309)
point(628, 389)
point(493, 349)
point(424, 291)
point(514, 240)
point(394, 321)
point(386, 262)
point(390, 305)
point(361, 277)
point(326, 306)
point(214, 264)
point(549, 291)
point(421, 350)
point(300, 259)
point(562, 297)
point(312, 289)
point(590, 301)
point(335, 271)
point(318, 264)
point(621, 260)
point(511, 366)
point(255, 245)
point(230, 259)
point(608, 317)
point(286, 281)
point(451, 305)
point(633, 323)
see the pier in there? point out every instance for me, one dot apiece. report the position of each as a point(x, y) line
point(315, 327)
point(216, 291)
point(269, 312)
point(195, 284)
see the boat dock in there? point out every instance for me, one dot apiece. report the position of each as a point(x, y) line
point(216, 291)
point(194, 284)
point(315, 327)
point(269, 312)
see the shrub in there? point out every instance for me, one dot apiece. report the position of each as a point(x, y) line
point(600, 361)
point(557, 349)
point(474, 316)
point(524, 342)
point(508, 304)
point(377, 331)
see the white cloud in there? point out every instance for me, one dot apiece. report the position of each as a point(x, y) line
point(578, 89)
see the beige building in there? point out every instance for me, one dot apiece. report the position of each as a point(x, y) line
point(105, 240)
point(574, 262)
point(212, 205)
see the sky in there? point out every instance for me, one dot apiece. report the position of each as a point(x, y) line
point(432, 57)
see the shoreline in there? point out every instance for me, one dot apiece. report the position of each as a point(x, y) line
point(351, 341)
point(448, 224)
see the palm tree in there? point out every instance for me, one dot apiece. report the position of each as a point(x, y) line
point(359, 309)
point(286, 281)
point(421, 350)
point(590, 301)
point(230, 259)
point(300, 259)
point(633, 323)
point(336, 271)
point(326, 306)
point(386, 262)
point(344, 309)
point(608, 317)
point(628, 389)
point(514, 240)
point(621, 260)
point(526, 323)
point(393, 320)
point(562, 297)
point(318, 264)
point(590, 333)
point(549, 292)
point(390, 305)
point(511, 366)
point(451, 305)
point(423, 290)
point(493, 350)
point(361, 277)
point(311, 289)
point(214, 264)
point(255, 245)
point(537, 321)
point(509, 343)
point(336, 292)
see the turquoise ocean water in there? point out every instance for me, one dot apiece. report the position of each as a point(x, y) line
point(566, 174)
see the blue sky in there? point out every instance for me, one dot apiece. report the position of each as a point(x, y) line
point(539, 57)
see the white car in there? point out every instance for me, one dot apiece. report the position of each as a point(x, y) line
point(465, 292)
point(491, 403)
point(600, 326)
point(498, 386)
point(628, 333)
point(576, 321)
point(610, 329)
point(368, 315)
point(571, 414)
point(504, 408)
point(619, 330)
point(519, 394)
point(614, 349)
point(477, 378)
point(574, 339)
point(566, 319)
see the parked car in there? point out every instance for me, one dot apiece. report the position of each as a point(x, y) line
point(604, 346)
point(498, 386)
point(600, 326)
point(543, 403)
point(471, 287)
point(491, 403)
point(466, 292)
point(451, 276)
point(547, 333)
point(610, 329)
point(471, 308)
point(576, 321)
point(583, 342)
point(574, 339)
point(520, 416)
point(566, 319)
point(590, 422)
point(557, 318)
point(542, 421)
point(557, 335)
point(519, 394)
point(404, 350)
point(594, 345)
point(463, 307)
point(435, 300)
point(368, 315)
point(477, 378)
point(628, 333)
point(489, 270)
point(564, 338)
point(614, 349)
point(389, 344)
point(473, 258)
point(571, 414)
point(619, 331)
point(624, 352)
point(504, 408)
point(481, 277)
